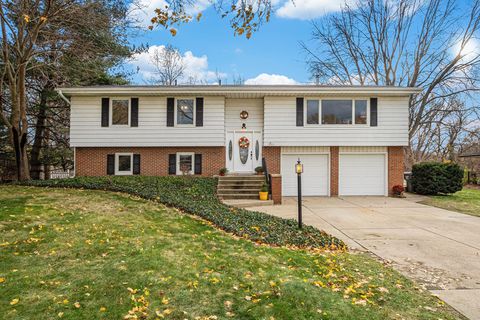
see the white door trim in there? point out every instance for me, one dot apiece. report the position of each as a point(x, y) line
point(257, 135)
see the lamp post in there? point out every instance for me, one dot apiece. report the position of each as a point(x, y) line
point(299, 171)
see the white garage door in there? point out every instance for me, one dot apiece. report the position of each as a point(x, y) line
point(314, 177)
point(361, 175)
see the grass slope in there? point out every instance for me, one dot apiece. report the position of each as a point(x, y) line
point(197, 196)
point(78, 254)
point(465, 201)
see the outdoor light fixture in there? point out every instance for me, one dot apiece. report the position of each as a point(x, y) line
point(299, 171)
point(298, 167)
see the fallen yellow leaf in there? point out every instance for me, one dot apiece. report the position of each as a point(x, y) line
point(103, 309)
point(77, 304)
point(14, 301)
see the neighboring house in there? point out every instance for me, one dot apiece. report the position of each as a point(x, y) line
point(349, 138)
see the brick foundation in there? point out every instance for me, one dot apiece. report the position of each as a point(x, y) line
point(334, 171)
point(92, 161)
point(395, 167)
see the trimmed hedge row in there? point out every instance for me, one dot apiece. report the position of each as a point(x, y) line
point(197, 196)
point(432, 178)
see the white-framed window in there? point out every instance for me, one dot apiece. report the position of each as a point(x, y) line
point(337, 111)
point(120, 112)
point(313, 111)
point(361, 112)
point(185, 163)
point(185, 111)
point(123, 164)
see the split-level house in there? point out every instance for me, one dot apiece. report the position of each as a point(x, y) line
point(350, 139)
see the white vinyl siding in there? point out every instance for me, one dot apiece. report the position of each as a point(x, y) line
point(254, 107)
point(362, 174)
point(152, 130)
point(315, 176)
point(280, 126)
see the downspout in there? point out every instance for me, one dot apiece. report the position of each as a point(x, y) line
point(60, 93)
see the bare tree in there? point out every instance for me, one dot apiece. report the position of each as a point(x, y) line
point(45, 44)
point(245, 16)
point(410, 43)
point(22, 24)
point(169, 65)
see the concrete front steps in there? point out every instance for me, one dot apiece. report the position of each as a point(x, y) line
point(239, 187)
point(245, 203)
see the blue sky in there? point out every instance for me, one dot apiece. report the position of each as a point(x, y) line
point(272, 56)
point(210, 46)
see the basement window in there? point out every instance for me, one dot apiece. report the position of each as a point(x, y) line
point(123, 164)
point(185, 163)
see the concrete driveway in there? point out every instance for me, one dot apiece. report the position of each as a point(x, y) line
point(439, 249)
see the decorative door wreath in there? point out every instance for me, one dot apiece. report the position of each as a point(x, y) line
point(243, 143)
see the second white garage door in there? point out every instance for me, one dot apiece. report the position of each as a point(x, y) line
point(314, 177)
point(361, 175)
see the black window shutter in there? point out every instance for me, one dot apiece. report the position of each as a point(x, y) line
point(110, 164)
point(198, 164)
point(134, 111)
point(172, 164)
point(170, 112)
point(373, 112)
point(199, 113)
point(105, 112)
point(136, 164)
point(299, 112)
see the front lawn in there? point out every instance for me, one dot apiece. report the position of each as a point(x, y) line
point(83, 254)
point(197, 196)
point(465, 201)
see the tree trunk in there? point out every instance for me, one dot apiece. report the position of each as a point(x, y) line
point(21, 157)
point(38, 142)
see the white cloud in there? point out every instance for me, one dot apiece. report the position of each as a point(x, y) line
point(266, 79)
point(142, 11)
point(309, 9)
point(196, 67)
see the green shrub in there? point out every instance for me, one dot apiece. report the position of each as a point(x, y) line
point(197, 196)
point(432, 178)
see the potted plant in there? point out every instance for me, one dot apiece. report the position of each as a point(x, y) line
point(398, 190)
point(222, 171)
point(263, 194)
point(259, 170)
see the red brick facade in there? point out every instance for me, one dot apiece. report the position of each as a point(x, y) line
point(273, 157)
point(92, 161)
point(277, 188)
point(395, 167)
point(334, 171)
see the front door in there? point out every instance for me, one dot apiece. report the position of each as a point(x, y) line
point(243, 149)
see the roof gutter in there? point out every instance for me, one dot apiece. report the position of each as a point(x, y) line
point(215, 90)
